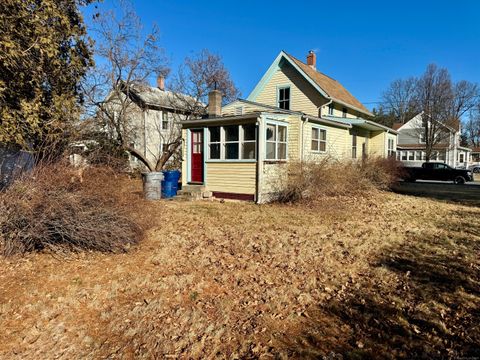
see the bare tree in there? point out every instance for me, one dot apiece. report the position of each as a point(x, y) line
point(199, 75)
point(399, 100)
point(440, 103)
point(128, 58)
point(472, 127)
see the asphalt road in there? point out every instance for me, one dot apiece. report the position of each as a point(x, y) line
point(468, 194)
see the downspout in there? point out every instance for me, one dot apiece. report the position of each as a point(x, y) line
point(260, 151)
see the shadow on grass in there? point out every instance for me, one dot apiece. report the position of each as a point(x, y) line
point(421, 300)
point(467, 194)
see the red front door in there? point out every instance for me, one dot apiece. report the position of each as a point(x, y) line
point(197, 156)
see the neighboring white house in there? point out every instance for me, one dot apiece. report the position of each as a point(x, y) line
point(154, 118)
point(411, 144)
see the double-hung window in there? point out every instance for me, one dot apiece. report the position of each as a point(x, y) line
point(284, 97)
point(249, 143)
point(391, 150)
point(276, 142)
point(344, 112)
point(354, 146)
point(330, 109)
point(214, 143)
point(232, 142)
point(319, 139)
point(165, 123)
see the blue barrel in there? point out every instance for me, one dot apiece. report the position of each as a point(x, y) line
point(170, 183)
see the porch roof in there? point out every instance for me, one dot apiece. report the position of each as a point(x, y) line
point(361, 123)
point(221, 120)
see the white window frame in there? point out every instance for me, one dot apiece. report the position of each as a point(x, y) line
point(331, 109)
point(319, 140)
point(354, 145)
point(390, 149)
point(283, 87)
point(164, 118)
point(223, 143)
point(277, 142)
point(404, 154)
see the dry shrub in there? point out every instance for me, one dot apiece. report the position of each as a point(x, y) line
point(311, 181)
point(60, 208)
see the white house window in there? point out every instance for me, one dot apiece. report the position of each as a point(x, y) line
point(404, 155)
point(284, 97)
point(391, 150)
point(276, 142)
point(319, 139)
point(165, 123)
point(330, 109)
point(233, 142)
point(461, 157)
point(411, 155)
point(418, 155)
point(354, 146)
point(422, 138)
point(214, 142)
point(441, 156)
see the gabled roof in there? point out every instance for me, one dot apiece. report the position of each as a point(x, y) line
point(453, 125)
point(325, 85)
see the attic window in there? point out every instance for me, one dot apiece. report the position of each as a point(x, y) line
point(284, 97)
point(344, 112)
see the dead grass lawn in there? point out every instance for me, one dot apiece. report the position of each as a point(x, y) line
point(390, 276)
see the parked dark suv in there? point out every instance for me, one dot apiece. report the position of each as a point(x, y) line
point(438, 171)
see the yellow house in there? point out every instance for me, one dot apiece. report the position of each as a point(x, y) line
point(294, 113)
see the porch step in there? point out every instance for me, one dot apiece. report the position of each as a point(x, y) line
point(194, 192)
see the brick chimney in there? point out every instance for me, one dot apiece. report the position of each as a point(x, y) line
point(312, 59)
point(214, 103)
point(161, 82)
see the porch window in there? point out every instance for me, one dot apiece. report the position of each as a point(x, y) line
point(276, 142)
point(249, 144)
point(418, 155)
point(214, 142)
point(442, 156)
point(411, 155)
point(404, 155)
point(319, 139)
point(391, 150)
point(284, 97)
point(232, 141)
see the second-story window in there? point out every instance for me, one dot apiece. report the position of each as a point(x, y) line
point(330, 109)
point(284, 97)
point(344, 112)
point(165, 120)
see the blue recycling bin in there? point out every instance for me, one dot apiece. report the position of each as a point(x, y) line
point(170, 183)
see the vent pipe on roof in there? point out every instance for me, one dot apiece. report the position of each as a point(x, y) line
point(312, 59)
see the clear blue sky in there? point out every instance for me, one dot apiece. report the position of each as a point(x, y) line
point(363, 44)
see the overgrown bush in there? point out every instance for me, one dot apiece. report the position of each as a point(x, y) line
point(61, 208)
point(311, 181)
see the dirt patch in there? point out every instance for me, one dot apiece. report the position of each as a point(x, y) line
point(388, 276)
